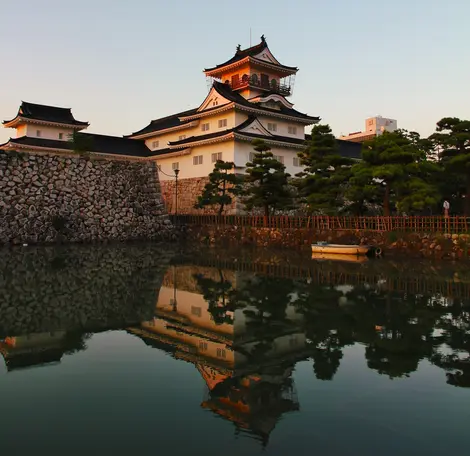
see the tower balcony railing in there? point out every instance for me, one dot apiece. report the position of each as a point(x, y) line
point(255, 81)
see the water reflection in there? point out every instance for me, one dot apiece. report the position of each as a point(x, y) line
point(244, 325)
point(245, 333)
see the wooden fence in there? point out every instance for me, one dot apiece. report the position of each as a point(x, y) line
point(426, 224)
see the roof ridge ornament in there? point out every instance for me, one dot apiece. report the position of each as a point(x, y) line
point(239, 47)
point(263, 39)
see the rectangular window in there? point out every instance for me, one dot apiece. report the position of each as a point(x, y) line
point(216, 156)
point(221, 353)
point(203, 346)
point(196, 311)
point(272, 126)
point(175, 165)
point(38, 133)
point(279, 158)
point(155, 144)
point(197, 160)
point(292, 130)
point(181, 137)
point(296, 161)
point(222, 123)
point(205, 126)
point(251, 157)
point(61, 136)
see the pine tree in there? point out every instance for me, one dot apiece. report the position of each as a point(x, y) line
point(326, 171)
point(452, 137)
point(395, 164)
point(221, 188)
point(267, 181)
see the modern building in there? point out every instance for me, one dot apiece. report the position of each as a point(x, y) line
point(374, 126)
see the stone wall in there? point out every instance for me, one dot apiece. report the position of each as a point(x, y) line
point(188, 192)
point(55, 198)
point(417, 245)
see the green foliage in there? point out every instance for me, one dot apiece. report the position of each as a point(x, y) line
point(452, 139)
point(326, 172)
point(267, 181)
point(394, 165)
point(221, 188)
point(81, 143)
point(219, 296)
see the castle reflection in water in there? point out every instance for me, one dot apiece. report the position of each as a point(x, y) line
point(244, 331)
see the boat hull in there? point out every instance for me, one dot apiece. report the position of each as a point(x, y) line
point(339, 257)
point(339, 249)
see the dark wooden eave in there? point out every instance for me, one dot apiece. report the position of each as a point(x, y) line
point(47, 113)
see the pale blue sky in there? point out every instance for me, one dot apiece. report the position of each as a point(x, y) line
point(120, 63)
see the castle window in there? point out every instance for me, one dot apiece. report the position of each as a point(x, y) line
point(197, 160)
point(216, 156)
point(181, 137)
point(221, 353)
point(175, 165)
point(196, 311)
point(251, 157)
point(254, 79)
point(296, 161)
point(272, 126)
point(155, 144)
point(61, 136)
point(203, 346)
point(279, 158)
point(222, 123)
point(292, 130)
point(235, 80)
point(205, 126)
point(38, 133)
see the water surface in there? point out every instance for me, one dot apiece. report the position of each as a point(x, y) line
point(140, 349)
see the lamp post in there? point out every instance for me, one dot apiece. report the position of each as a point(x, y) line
point(176, 171)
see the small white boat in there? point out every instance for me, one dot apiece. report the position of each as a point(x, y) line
point(342, 249)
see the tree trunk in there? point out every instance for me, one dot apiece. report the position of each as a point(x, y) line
point(266, 210)
point(467, 198)
point(386, 203)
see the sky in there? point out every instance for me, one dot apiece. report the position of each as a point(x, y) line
point(119, 64)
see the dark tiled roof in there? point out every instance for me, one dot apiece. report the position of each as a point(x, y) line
point(164, 123)
point(226, 91)
point(217, 134)
point(97, 143)
point(188, 141)
point(347, 149)
point(47, 114)
point(285, 139)
point(249, 52)
point(350, 149)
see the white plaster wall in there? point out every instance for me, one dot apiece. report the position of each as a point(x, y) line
point(48, 132)
point(21, 131)
point(185, 162)
point(283, 127)
point(243, 149)
point(165, 138)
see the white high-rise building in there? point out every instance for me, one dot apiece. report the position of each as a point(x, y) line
point(375, 126)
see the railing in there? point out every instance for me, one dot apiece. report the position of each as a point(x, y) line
point(425, 224)
point(255, 81)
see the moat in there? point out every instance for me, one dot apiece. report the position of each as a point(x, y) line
point(125, 349)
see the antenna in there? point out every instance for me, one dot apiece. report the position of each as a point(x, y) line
point(250, 36)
